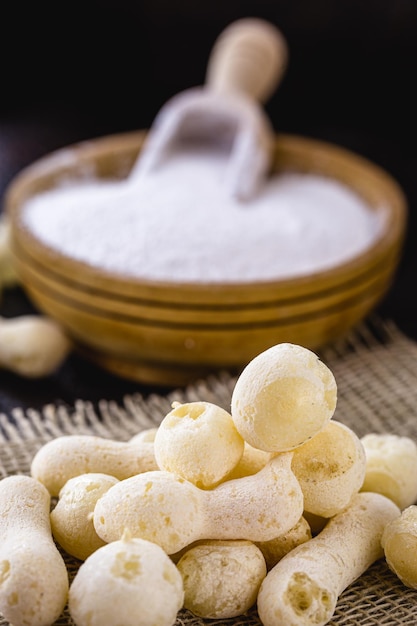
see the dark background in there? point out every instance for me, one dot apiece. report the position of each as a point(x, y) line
point(78, 70)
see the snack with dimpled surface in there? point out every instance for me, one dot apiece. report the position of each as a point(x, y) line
point(283, 397)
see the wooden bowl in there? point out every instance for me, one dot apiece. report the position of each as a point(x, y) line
point(170, 333)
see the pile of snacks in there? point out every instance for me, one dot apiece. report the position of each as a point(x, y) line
point(274, 504)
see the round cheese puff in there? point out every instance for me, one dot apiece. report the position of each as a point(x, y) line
point(330, 469)
point(221, 578)
point(275, 549)
point(251, 462)
point(72, 518)
point(130, 582)
point(399, 542)
point(283, 397)
point(199, 442)
point(391, 467)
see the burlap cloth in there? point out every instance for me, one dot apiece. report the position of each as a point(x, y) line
point(376, 373)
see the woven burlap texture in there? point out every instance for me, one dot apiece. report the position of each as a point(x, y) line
point(376, 374)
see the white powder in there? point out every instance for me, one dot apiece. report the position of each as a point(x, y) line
point(179, 224)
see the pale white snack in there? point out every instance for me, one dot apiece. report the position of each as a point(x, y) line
point(130, 582)
point(172, 512)
point(303, 588)
point(251, 462)
point(275, 549)
point(399, 542)
point(33, 576)
point(283, 397)
point(67, 456)
point(391, 467)
point(72, 517)
point(198, 441)
point(221, 578)
point(32, 345)
point(330, 468)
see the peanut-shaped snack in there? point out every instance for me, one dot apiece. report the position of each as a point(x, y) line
point(130, 582)
point(275, 549)
point(303, 588)
point(283, 397)
point(32, 346)
point(391, 467)
point(221, 578)
point(33, 575)
point(72, 518)
point(71, 455)
point(330, 468)
point(198, 441)
point(172, 512)
point(399, 541)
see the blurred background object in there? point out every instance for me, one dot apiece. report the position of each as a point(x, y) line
point(84, 69)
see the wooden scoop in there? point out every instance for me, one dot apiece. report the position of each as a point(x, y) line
point(245, 66)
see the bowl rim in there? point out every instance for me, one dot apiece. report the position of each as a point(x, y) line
point(289, 148)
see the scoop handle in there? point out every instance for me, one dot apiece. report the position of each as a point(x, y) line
point(250, 56)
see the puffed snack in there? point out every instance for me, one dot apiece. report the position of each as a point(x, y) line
point(283, 397)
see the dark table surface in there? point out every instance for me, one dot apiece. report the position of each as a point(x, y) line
point(87, 69)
